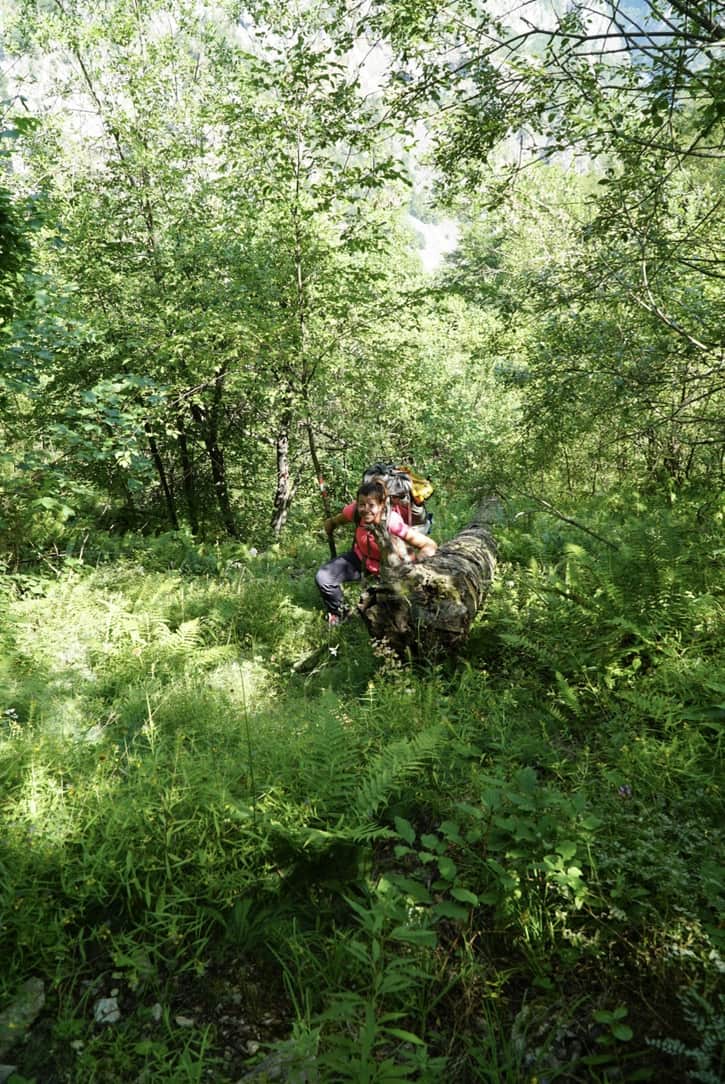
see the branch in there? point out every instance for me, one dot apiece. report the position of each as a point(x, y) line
point(572, 522)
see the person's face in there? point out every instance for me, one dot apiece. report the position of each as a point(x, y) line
point(369, 510)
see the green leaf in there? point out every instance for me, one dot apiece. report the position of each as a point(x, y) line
point(414, 889)
point(464, 896)
point(448, 868)
point(445, 909)
point(622, 1032)
point(414, 936)
point(406, 1036)
point(432, 843)
point(451, 831)
point(405, 829)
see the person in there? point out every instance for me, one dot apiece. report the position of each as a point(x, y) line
point(368, 511)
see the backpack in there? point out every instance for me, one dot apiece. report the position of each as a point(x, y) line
point(408, 493)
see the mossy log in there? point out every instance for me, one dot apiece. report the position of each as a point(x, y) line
point(426, 608)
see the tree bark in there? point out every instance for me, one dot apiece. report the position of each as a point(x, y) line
point(159, 464)
point(425, 609)
point(320, 480)
point(187, 474)
point(285, 490)
point(207, 420)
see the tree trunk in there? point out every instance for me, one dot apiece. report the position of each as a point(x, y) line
point(207, 422)
point(187, 475)
point(426, 608)
point(285, 489)
point(320, 480)
point(165, 488)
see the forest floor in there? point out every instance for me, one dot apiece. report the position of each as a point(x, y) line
point(505, 868)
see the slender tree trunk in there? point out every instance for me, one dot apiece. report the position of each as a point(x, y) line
point(187, 475)
point(168, 495)
point(426, 608)
point(219, 474)
point(286, 487)
point(296, 378)
point(320, 480)
point(318, 468)
point(206, 421)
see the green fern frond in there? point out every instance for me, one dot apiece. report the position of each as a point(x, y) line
point(188, 634)
point(366, 833)
point(332, 761)
point(395, 765)
point(651, 705)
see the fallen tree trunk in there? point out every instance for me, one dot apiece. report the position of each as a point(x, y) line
point(426, 608)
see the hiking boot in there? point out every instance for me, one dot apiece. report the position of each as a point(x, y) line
point(333, 620)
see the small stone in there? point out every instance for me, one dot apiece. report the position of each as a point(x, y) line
point(252, 1047)
point(184, 1021)
point(106, 1011)
point(156, 1012)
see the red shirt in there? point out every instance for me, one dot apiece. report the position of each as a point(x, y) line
point(365, 546)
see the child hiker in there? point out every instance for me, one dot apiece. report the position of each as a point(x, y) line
point(367, 512)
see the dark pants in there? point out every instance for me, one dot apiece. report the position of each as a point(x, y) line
point(339, 570)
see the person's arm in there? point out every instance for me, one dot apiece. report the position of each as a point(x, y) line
point(334, 522)
point(426, 546)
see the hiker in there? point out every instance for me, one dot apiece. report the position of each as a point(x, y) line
point(368, 511)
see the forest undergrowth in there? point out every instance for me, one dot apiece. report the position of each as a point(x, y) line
point(507, 868)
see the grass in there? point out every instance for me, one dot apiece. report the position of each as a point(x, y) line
point(502, 869)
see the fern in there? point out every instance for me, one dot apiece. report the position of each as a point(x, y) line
point(332, 764)
point(348, 806)
point(394, 766)
point(708, 1023)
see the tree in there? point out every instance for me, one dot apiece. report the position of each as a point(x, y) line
point(223, 228)
point(610, 337)
point(622, 342)
point(595, 78)
point(320, 206)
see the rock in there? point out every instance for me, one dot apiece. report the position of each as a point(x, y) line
point(7, 1071)
point(106, 1011)
point(286, 1064)
point(17, 1018)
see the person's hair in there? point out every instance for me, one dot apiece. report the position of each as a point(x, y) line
point(375, 488)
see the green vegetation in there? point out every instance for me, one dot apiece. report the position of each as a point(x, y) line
point(234, 845)
point(503, 869)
